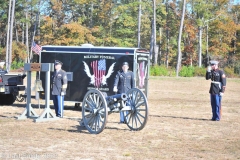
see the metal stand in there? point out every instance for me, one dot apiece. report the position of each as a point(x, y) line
point(28, 112)
point(47, 114)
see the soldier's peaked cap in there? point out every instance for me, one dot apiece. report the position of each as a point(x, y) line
point(124, 63)
point(58, 62)
point(213, 62)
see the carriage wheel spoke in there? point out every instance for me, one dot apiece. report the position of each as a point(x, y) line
point(86, 108)
point(135, 119)
point(140, 114)
point(139, 104)
point(136, 98)
point(139, 98)
point(89, 121)
point(139, 118)
point(89, 103)
point(98, 102)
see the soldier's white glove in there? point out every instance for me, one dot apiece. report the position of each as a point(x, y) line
point(62, 94)
point(209, 68)
point(221, 94)
point(115, 89)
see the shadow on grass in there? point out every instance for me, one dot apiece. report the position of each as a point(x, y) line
point(2, 116)
point(83, 130)
point(78, 129)
point(9, 115)
point(198, 119)
point(115, 128)
point(42, 106)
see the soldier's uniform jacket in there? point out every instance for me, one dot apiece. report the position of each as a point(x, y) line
point(124, 81)
point(218, 81)
point(59, 82)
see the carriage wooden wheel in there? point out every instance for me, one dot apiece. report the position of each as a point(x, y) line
point(137, 117)
point(94, 111)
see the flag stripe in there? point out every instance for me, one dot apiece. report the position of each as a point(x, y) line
point(102, 69)
point(142, 74)
point(99, 69)
point(36, 48)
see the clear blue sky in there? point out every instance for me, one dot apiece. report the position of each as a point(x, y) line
point(236, 1)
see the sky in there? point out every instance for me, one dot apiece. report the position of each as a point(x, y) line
point(236, 1)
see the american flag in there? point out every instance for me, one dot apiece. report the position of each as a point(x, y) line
point(142, 74)
point(36, 48)
point(99, 69)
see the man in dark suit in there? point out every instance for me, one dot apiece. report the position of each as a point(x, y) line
point(59, 88)
point(123, 82)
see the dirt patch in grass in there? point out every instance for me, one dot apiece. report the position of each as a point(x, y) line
point(178, 127)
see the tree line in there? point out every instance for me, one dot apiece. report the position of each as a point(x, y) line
point(210, 29)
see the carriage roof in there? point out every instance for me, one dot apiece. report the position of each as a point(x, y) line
point(93, 49)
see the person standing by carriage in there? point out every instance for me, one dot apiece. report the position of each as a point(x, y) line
point(217, 88)
point(123, 82)
point(59, 88)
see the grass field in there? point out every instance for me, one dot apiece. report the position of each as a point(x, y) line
point(178, 127)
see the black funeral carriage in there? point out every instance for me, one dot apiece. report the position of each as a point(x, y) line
point(91, 71)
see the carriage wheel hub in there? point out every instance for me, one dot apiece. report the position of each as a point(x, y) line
point(94, 111)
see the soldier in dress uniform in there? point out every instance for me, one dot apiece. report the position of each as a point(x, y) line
point(59, 88)
point(217, 88)
point(123, 82)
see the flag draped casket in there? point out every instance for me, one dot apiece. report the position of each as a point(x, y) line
point(96, 67)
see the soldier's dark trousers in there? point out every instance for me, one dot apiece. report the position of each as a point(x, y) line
point(122, 115)
point(216, 106)
point(58, 102)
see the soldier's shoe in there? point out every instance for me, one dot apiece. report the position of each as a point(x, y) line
point(121, 122)
point(215, 119)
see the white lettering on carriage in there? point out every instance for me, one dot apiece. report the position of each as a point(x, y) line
point(107, 57)
point(91, 56)
point(100, 89)
point(142, 58)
